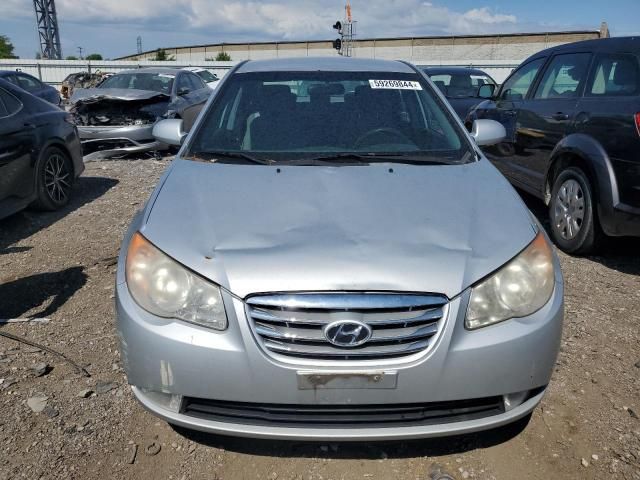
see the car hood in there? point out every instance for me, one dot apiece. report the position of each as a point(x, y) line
point(90, 95)
point(252, 228)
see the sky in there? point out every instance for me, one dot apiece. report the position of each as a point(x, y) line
point(111, 27)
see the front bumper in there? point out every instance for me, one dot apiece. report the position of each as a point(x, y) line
point(100, 142)
point(163, 355)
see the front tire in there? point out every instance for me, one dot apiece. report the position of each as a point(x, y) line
point(572, 215)
point(54, 179)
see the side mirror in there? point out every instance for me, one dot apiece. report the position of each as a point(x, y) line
point(486, 90)
point(488, 132)
point(169, 131)
point(184, 91)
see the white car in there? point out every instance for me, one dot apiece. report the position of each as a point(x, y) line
point(210, 78)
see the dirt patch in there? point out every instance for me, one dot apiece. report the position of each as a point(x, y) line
point(62, 265)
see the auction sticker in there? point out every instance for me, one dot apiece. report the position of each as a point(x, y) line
point(395, 84)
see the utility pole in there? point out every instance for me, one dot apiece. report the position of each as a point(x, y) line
point(347, 31)
point(80, 49)
point(48, 33)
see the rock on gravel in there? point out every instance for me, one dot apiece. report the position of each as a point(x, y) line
point(37, 403)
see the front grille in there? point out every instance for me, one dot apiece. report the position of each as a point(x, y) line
point(295, 324)
point(342, 416)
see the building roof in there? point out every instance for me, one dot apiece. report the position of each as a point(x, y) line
point(380, 39)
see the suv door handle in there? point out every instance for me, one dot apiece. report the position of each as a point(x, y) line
point(560, 116)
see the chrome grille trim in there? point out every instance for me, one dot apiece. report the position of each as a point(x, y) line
point(292, 324)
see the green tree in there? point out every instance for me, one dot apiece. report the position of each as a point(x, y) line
point(161, 56)
point(71, 57)
point(93, 56)
point(223, 57)
point(6, 47)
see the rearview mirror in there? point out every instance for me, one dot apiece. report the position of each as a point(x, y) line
point(488, 132)
point(184, 91)
point(486, 90)
point(169, 131)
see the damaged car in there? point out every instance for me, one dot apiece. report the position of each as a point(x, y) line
point(331, 257)
point(116, 118)
point(82, 80)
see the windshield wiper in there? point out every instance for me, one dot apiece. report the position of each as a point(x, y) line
point(215, 155)
point(411, 158)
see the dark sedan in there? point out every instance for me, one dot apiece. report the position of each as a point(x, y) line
point(461, 86)
point(40, 155)
point(32, 85)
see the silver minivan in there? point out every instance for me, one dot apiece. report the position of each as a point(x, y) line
point(331, 257)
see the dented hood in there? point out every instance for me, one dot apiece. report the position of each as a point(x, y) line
point(253, 229)
point(92, 95)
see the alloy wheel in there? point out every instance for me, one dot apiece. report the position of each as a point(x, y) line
point(57, 178)
point(569, 209)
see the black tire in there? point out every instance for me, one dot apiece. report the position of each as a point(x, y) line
point(572, 214)
point(54, 179)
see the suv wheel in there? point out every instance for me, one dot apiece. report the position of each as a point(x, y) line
point(573, 219)
point(54, 179)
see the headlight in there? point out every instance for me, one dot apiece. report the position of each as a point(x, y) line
point(518, 289)
point(165, 288)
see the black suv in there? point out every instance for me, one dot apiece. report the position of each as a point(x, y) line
point(572, 116)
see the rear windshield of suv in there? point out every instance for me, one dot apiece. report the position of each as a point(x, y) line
point(280, 116)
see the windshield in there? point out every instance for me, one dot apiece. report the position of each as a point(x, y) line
point(457, 85)
point(288, 116)
point(155, 82)
point(207, 76)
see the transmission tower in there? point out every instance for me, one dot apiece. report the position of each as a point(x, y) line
point(139, 40)
point(347, 31)
point(48, 29)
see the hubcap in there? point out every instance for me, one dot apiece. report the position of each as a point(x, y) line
point(56, 178)
point(568, 213)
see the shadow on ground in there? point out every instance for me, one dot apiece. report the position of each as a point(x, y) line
point(24, 224)
point(365, 450)
point(48, 290)
point(617, 253)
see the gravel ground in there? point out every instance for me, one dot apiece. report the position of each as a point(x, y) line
point(61, 266)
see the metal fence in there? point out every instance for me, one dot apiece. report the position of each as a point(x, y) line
point(54, 72)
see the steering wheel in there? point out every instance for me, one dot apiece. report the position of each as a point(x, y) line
point(383, 131)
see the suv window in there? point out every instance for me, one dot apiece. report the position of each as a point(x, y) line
point(518, 84)
point(615, 75)
point(28, 83)
point(563, 76)
point(8, 104)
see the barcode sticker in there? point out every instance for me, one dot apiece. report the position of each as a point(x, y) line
point(395, 84)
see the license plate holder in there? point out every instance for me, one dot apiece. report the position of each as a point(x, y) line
point(338, 380)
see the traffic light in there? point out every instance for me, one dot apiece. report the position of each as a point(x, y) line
point(337, 44)
point(338, 26)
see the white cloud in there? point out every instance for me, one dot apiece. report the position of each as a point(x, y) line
point(285, 19)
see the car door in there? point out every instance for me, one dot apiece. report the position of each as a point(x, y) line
point(609, 112)
point(17, 142)
point(508, 102)
point(546, 116)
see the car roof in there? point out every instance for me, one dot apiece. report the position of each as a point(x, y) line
point(444, 70)
point(5, 73)
point(328, 64)
point(165, 70)
point(594, 45)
